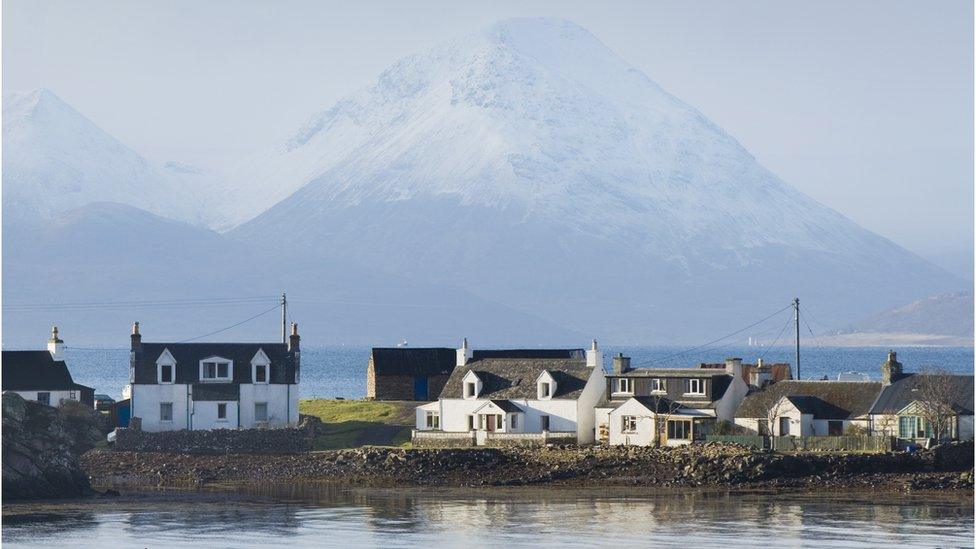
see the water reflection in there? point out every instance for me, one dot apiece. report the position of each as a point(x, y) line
point(315, 515)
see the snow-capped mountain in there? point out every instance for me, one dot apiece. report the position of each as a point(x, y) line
point(55, 159)
point(532, 165)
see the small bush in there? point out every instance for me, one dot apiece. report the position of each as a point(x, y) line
point(853, 430)
point(725, 427)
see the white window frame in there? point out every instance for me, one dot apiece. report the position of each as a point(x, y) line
point(161, 419)
point(471, 422)
point(468, 380)
point(659, 385)
point(433, 420)
point(217, 360)
point(624, 386)
point(691, 386)
point(266, 415)
point(628, 424)
point(219, 404)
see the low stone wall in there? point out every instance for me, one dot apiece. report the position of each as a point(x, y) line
point(288, 440)
point(440, 439)
point(528, 439)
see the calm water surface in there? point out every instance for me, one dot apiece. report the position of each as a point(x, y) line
point(332, 517)
point(341, 370)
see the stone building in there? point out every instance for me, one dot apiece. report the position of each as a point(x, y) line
point(408, 373)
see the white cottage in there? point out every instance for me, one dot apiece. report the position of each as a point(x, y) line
point(43, 376)
point(198, 386)
point(499, 395)
point(808, 408)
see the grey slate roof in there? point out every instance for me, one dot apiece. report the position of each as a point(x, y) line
point(507, 406)
point(575, 354)
point(189, 355)
point(658, 404)
point(672, 372)
point(824, 399)
point(514, 378)
point(902, 392)
point(34, 370)
point(413, 361)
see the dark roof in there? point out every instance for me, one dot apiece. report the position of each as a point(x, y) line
point(825, 399)
point(903, 392)
point(506, 405)
point(189, 355)
point(658, 405)
point(574, 354)
point(216, 391)
point(33, 370)
point(413, 361)
point(515, 378)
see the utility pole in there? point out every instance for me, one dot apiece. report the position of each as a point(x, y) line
point(284, 318)
point(796, 321)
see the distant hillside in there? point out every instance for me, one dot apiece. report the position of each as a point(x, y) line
point(945, 319)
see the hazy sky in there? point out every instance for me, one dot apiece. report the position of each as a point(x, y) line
point(866, 106)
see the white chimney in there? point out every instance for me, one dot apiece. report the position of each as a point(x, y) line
point(733, 366)
point(55, 346)
point(594, 356)
point(464, 354)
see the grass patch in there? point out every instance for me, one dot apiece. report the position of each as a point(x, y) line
point(353, 423)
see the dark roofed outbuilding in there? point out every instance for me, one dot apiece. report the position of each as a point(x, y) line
point(408, 373)
point(823, 399)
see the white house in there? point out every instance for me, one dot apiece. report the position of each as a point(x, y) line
point(43, 376)
point(808, 408)
point(499, 395)
point(667, 406)
point(198, 386)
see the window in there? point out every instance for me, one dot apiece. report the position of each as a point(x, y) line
point(696, 387)
point(260, 373)
point(222, 411)
point(165, 411)
point(469, 389)
point(679, 430)
point(212, 370)
point(73, 395)
point(544, 390)
point(260, 411)
point(166, 373)
point(625, 385)
point(433, 420)
point(44, 398)
point(763, 427)
point(471, 423)
point(514, 421)
point(544, 423)
point(835, 428)
point(913, 427)
point(629, 424)
point(659, 385)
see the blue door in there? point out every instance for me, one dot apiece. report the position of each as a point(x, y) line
point(124, 414)
point(420, 388)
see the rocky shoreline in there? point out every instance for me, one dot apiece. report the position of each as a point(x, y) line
point(947, 467)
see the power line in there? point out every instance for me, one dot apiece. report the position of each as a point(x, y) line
point(737, 332)
point(232, 325)
point(775, 341)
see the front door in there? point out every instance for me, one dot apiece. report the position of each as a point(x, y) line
point(490, 423)
point(420, 388)
point(784, 426)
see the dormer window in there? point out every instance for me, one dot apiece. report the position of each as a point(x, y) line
point(625, 386)
point(545, 386)
point(216, 369)
point(696, 387)
point(658, 385)
point(471, 385)
point(165, 368)
point(260, 367)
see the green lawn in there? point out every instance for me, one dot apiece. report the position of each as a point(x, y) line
point(352, 423)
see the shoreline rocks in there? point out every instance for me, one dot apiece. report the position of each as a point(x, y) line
point(41, 446)
point(944, 467)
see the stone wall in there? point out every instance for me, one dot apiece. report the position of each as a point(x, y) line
point(440, 439)
point(289, 440)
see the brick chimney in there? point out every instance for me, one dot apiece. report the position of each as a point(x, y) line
point(294, 338)
point(891, 369)
point(594, 356)
point(136, 338)
point(621, 364)
point(464, 354)
point(55, 346)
